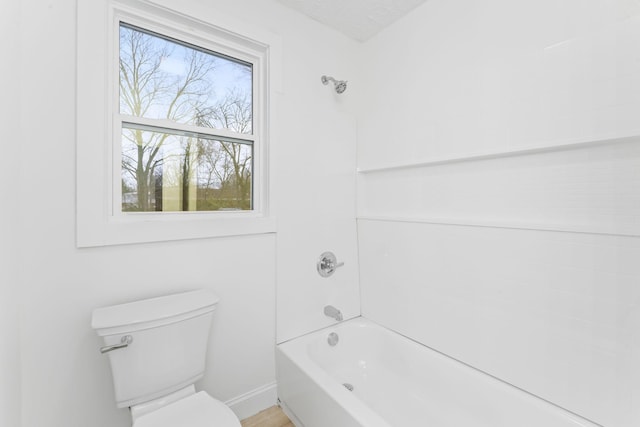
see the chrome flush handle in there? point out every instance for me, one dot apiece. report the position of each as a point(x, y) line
point(328, 264)
point(124, 342)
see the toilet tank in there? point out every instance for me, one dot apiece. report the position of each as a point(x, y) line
point(168, 348)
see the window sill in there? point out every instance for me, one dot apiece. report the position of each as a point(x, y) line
point(152, 228)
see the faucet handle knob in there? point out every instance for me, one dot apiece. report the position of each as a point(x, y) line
point(328, 264)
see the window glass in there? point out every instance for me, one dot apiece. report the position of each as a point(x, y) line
point(161, 78)
point(184, 172)
point(168, 168)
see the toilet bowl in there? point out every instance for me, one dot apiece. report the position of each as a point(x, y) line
point(157, 351)
point(196, 410)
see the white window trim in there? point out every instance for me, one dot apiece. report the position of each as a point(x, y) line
point(99, 223)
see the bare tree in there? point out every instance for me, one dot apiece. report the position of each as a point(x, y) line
point(233, 161)
point(148, 90)
point(164, 80)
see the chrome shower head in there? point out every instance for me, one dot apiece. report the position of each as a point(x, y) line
point(339, 85)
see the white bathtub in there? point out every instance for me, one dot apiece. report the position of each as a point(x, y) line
point(397, 383)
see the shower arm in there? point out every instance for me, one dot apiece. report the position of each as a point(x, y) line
point(327, 79)
point(339, 85)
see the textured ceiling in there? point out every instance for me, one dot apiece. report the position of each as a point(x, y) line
point(359, 19)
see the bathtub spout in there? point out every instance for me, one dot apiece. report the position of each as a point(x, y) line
point(331, 311)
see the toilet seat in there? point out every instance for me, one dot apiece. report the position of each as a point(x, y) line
point(197, 410)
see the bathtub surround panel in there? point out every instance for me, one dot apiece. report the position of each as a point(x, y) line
point(316, 211)
point(523, 119)
point(552, 313)
point(592, 187)
point(497, 75)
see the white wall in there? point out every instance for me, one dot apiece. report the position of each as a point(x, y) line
point(522, 263)
point(9, 206)
point(65, 381)
point(316, 180)
point(313, 161)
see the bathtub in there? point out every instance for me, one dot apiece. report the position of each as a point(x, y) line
point(374, 377)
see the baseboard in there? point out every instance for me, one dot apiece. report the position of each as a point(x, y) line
point(296, 422)
point(254, 401)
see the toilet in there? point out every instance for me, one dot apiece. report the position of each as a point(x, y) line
point(157, 348)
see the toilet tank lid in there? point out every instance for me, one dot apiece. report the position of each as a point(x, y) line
point(149, 310)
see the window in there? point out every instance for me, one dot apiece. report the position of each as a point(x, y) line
point(186, 121)
point(172, 138)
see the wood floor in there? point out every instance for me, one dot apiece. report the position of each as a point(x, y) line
point(270, 417)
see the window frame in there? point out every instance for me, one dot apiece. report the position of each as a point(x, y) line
point(100, 220)
point(120, 119)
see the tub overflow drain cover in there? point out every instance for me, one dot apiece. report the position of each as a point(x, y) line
point(333, 339)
